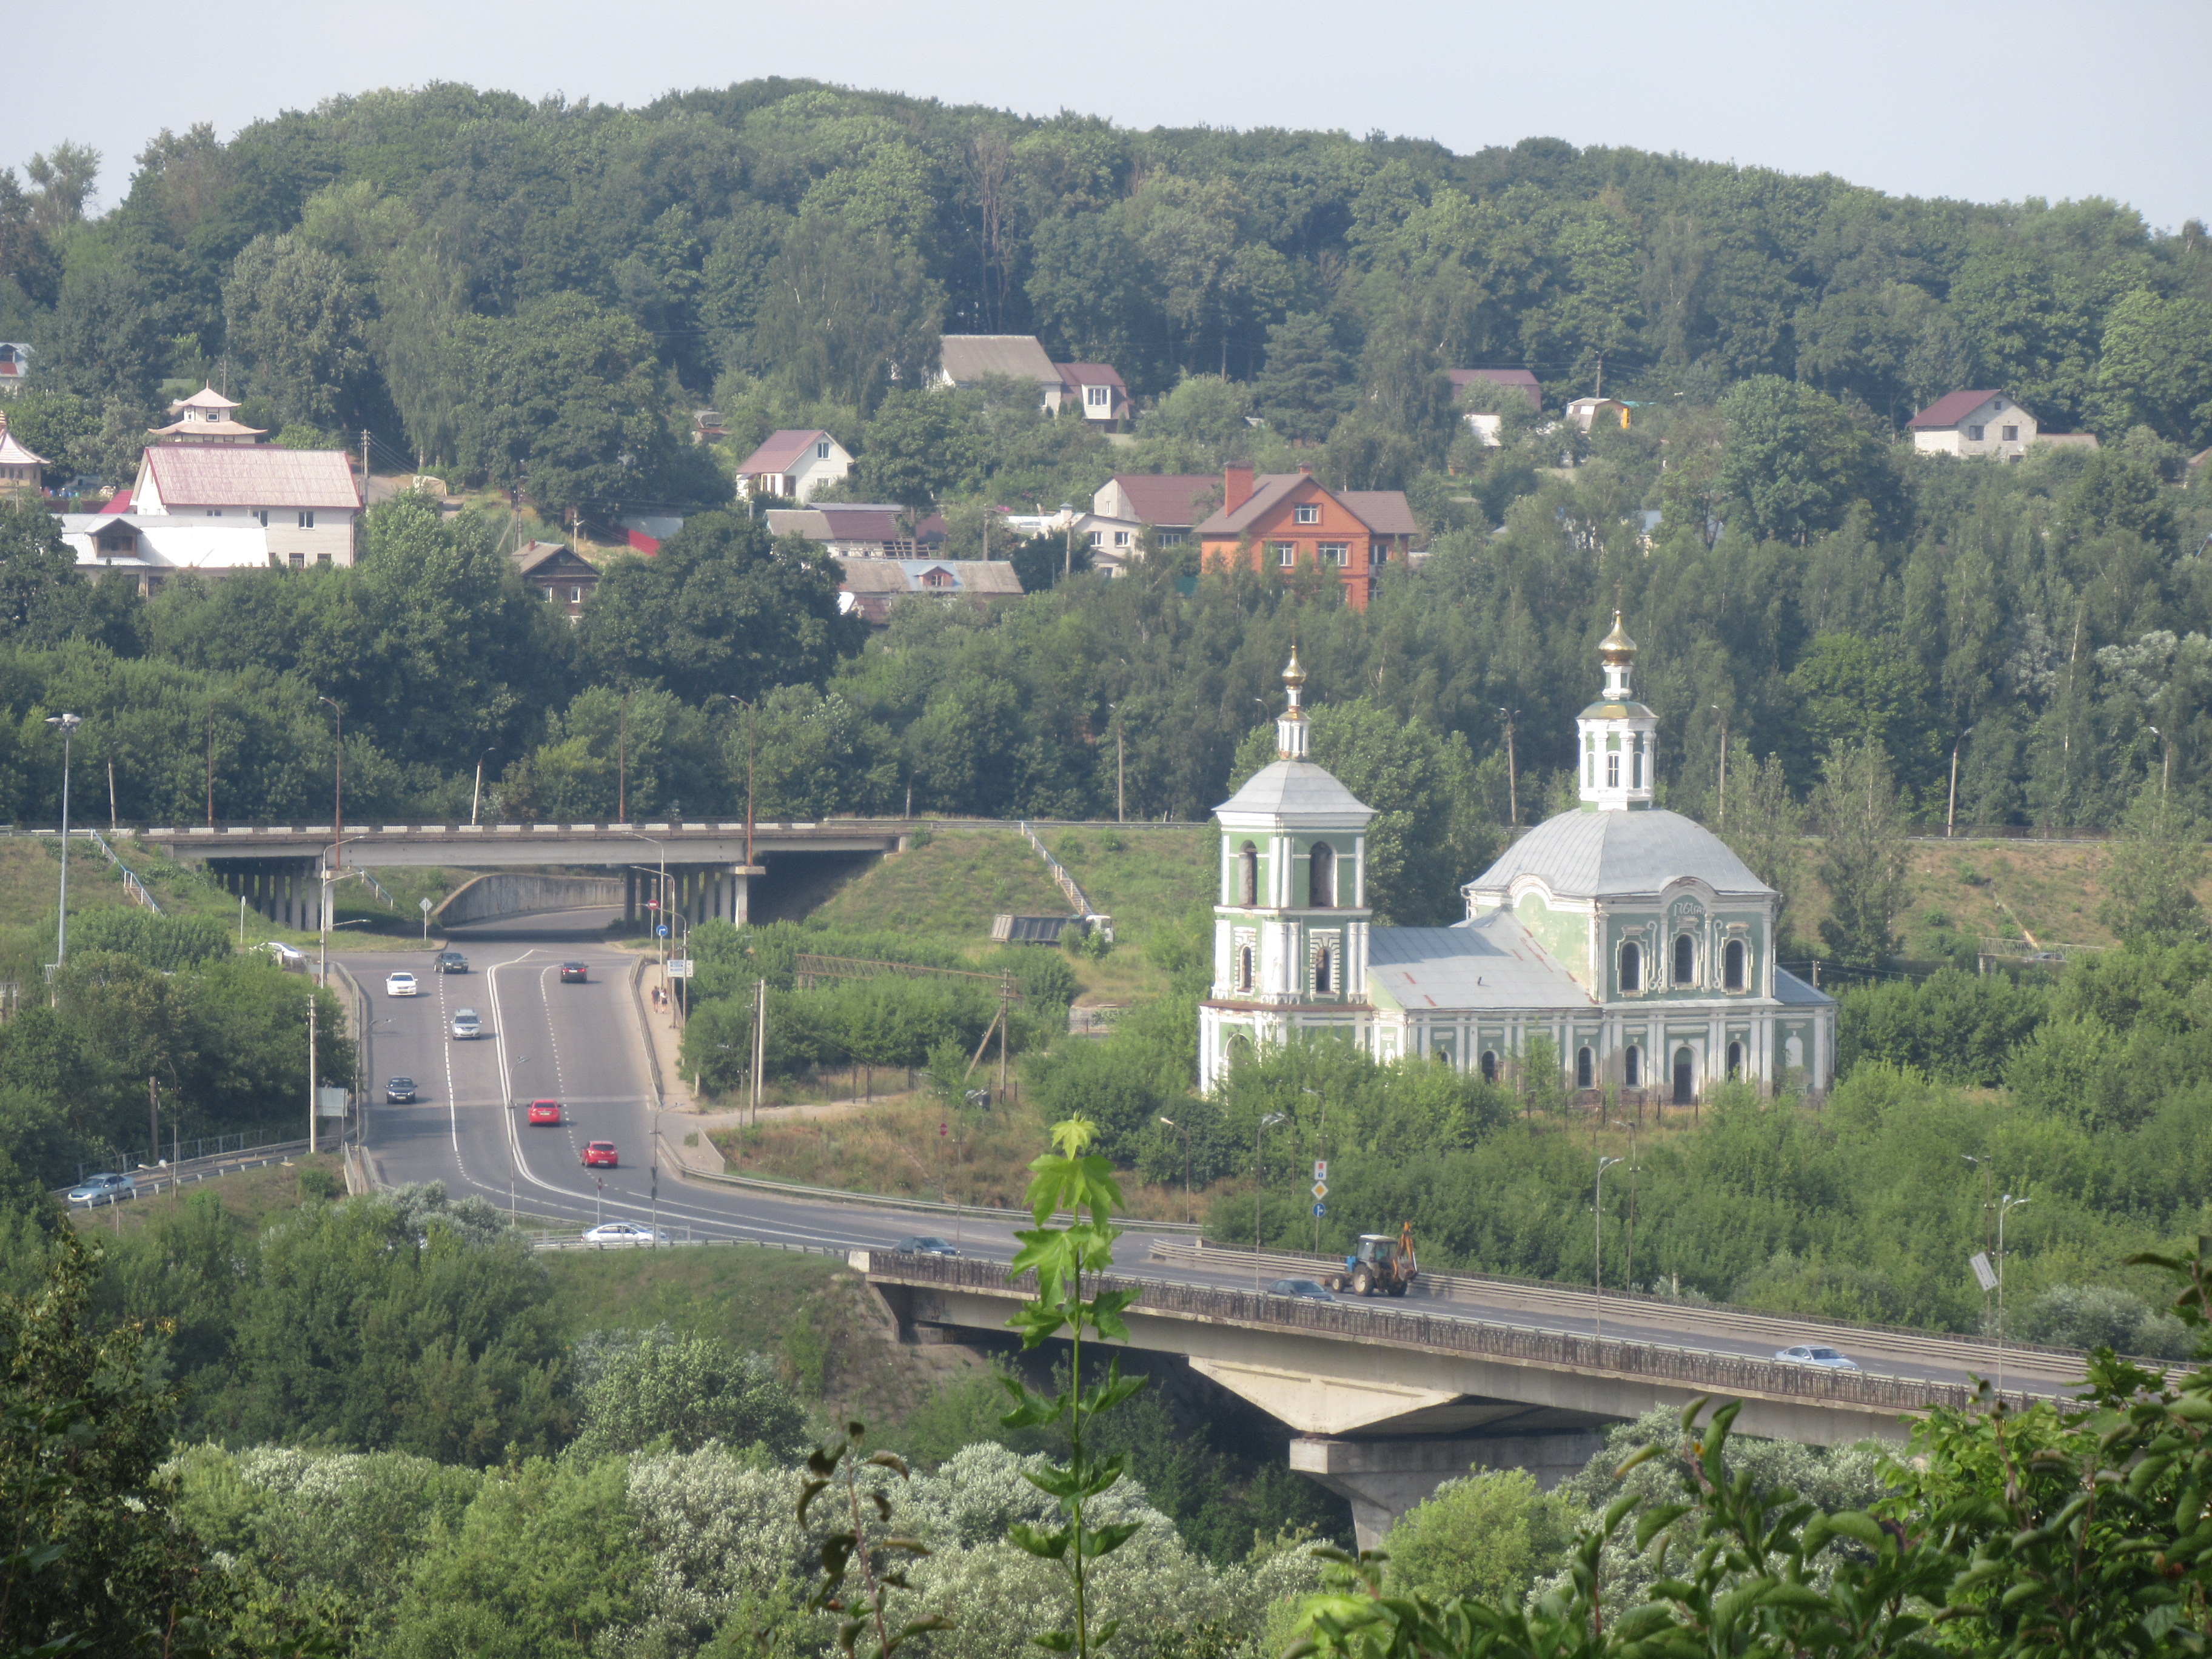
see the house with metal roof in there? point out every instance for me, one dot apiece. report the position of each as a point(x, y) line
point(303, 501)
point(1973, 423)
point(206, 418)
point(873, 587)
point(559, 574)
point(793, 463)
point(1282, 521)
point(1625, 942)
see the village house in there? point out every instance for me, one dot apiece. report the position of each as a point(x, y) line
point(858, 530)
point(1471, 385)
point(206, 418)
point(793, 463)
point(872, 587)
point(562, 577)
point(1169, 504)
point(1973, 423)
point(1585, 412)
point(15, 364)
point(1283, 522)
point(303, 501)
point(1095, 390)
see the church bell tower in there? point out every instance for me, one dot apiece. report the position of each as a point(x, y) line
point(1617, 736)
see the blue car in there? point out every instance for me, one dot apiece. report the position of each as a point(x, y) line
point(103, 1189)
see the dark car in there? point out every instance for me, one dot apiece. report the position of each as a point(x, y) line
point(600, 1154)
point(1305, 1289)
point(399, 1091)
point(573, 973)
point(924, 1245)
point(452, 962)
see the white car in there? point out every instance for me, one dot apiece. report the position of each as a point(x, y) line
point(1827, 1359)
point(103, 1189)
point(620, 1232)
point(401, 985)
point(466, 1024)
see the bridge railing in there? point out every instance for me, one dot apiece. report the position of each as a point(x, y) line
point(1703, 1369)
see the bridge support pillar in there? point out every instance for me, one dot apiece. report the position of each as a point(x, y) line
point(629, 898)
point(1383, 1478)
point(741, 893)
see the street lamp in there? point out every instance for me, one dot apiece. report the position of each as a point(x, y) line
point(1512, 774)
point(1721, 810)
point(2166, 767)
point(1189, 1204)
point(1635, 1168)
point(1320, 1152)
point(2006, 1206)
point(1597, 1209)
point(477, 798)
point(1951, 813)
point(67, 725)
point(1259, 1192)
point(337, 804)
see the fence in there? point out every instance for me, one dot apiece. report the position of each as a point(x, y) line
point(134, 888)
point(1066, 882)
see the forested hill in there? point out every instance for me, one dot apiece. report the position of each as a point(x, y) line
point(414, 215)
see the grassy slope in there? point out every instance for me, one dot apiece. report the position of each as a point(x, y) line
point(255, 1196)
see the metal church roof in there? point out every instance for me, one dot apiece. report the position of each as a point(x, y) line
point(1295, 789)
point(1493, 962)
point(1602, 854)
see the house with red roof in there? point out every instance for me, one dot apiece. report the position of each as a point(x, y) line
point(1097, 390)
point(305, 501)
point(793, 463)
point(1973, 424)
point(1284, 521)
point(1169, 504)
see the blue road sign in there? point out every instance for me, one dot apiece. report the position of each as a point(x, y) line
point(662, 930)
point(1319, 1210)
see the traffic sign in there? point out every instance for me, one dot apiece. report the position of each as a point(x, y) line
point(1979, 1262)
point(425, 903)
point(1319, 1210)
point(679, 969)
point(662, 930)
point(942, 1132)
point(1320, 1189)
point(1320, 1168)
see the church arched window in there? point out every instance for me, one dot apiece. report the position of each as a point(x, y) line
point(1585, 1067)
point(1735, 1060)
point(1320, 877)
point(1323, 977)
point(1631, 1067)
point(1247, 874)
point(1732, 965)
point(1244, 968)
point(1686, 960)
point(1632, 967)
point(1490, 1064)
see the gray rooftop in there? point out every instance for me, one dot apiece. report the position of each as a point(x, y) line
point(1792, 992)
point(1593, 855)
point(1490, 963)
point(1289, 788)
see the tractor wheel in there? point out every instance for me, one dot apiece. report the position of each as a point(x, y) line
point(1398, 1288)
point(1362, 1284)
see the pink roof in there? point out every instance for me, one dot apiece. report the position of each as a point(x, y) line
point(250, 475)
point(1950, 409)
point(1167, 499)
point(119, 501)
point(779, 451)
point(1092, 374)
point(1520, 379)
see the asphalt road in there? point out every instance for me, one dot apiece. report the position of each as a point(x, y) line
point(581, 1045)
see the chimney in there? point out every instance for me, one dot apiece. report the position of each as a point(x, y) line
point(1305, 469)
point(1235, 487)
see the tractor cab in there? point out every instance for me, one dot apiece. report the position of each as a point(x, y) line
point(1381, 1264)
point(1373, 1248)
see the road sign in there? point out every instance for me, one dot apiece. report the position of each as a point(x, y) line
point(425, 905)
point(679, 969)
point(942, 1131)
point(1319, 1210)
point(1320, 1189)
point(1320, 1168)
point(662, 930)
point(1980, 1263)
point(332, 1102)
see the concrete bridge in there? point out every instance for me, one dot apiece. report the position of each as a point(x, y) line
point(278, 867)
point(1386, 1400)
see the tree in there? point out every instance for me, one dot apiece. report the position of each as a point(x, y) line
point(300, 328)
point(1762, 824)
point(917, 444)
point(1793, 462)
point(2155, 368)
point(2152, 876)
point(2029, 330)
point(847, 313)
point(1307, 383)
point(1864, 855)
point(655, 1390)
point(1486, 1535)
point(35, 563)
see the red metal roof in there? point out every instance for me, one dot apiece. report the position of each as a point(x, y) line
point(1384, 512)
point(1519, 379)
point(1950, 409)
point(250, 475)
point(1167, 499)
point(781, 451)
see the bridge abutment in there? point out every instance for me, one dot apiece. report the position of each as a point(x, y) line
point(1381, 1480)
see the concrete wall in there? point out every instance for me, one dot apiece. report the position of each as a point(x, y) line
point(517, 893)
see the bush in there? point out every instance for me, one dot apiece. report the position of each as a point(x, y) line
point(1490, 1535)
point(2102, 1316)
point(168, 943)
point(1955, 1027)
point(653, 1389)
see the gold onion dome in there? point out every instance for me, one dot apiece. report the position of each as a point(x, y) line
point(1294, 676)
point(1617, 646)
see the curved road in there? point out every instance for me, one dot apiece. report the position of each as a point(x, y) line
point(581, 1045)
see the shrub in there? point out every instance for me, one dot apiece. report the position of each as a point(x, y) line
point(168, 943)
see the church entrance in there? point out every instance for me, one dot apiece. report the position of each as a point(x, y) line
point(1683, 1069)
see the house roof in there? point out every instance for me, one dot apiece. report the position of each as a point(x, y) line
point(1384, 512)
point(1297, 789)
point(12, 451)
point(1949, 409)
point(1465, 380)
point(203, 430)
point(778, 450)
point(206, 397)
point(842, 521)
point(250, 475)
point(980, 576)
point(1092, 374)
point(967, 358)
point(533, 557)
point(1167, 499)
point(1599, 854)
point(1493, 962)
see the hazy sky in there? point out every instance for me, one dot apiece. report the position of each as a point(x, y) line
point(1992, 101)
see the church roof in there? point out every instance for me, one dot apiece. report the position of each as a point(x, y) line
point(1297, 789)
point(1493, 962)
point(1792, 992)
point(1599, 854)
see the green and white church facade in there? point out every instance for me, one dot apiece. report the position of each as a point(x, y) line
point(1630, 937)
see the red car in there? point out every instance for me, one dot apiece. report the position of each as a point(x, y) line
point(573, 973)
point(544, 1111)
point(600, 1154)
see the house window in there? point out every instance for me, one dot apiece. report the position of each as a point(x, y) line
point(1247, 875)
point(1096, 397)
point(1320, 877)
point(1305, 515)
point(1170, 538)
point(212, 512)
point(1632, 967)
point(1732, 965)
point(1244, 968)
point(1686, 960)
point(1585, 1067)
point(1333, 552)
point(2012, 434)
point(1490, 1066)
point(1286, 553)
point(1440, 1047)
point(1631, 1067)
point(262, 514)
point(575, 596)
point(323, 561)
point(1636, 764)
point(1097, 538)
point(822, 451)
point(1378, 554)
point(307, 519)
point(1121, 538)
point(1321, 976)
point(298, 561)
point(1613, 771)
point(1974, 434)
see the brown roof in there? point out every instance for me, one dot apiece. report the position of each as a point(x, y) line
point(1092, 374)
point(1167, 499)
point(780, 449)
point(533, 558)
point(1267, 489)
point(1949, 409)
point(968, 358)
point(250, 475)
point(979, 576)
point(1384, 512)
point(1520, 379)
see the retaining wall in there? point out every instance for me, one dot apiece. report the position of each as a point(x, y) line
point(516, 893)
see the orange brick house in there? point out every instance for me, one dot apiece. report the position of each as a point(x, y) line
point(1284, 521)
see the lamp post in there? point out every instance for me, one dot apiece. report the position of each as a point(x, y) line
point(1068, 512)
point(2165, 767)
point(1512, 773)
point(1597, 1266)
point(1120, 768)
point(1720, 811)
point(1259, 1193)
point(337, 780)
point(2006, 1206)
point(1988, 1203)
point(476, 799)
point(1951, 813)
point(67, 725)
point(1189, 1204)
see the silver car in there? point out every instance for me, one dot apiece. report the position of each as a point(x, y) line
point(1827, 1359)
point(466, 1024)
point(103, 1189)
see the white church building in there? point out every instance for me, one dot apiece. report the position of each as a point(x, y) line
point(1628, 935)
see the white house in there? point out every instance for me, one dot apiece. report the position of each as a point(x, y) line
point(967, 359)
point(1973, 423)
point(1583, 411)
point(1097, 391)
point(1129, 503)
point(303, 501)
point(793, 463)
point(156, 547)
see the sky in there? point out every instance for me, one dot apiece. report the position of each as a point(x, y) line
point(1987, 102)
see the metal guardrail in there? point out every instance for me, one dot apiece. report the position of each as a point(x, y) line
point(577, 1241)
point(1703, 1369)
point(1068, 889)
point(132, 886)
point(924, 1205)
point(154, 1177)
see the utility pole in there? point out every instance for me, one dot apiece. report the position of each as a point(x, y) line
point(154, 1121)
point(1512, 775)
point(364, 462)
point(476, 799)
point(210, 766)
point(1951, 813)
point(622, 764)
point(1597, 1264)
point(111, 800)
point(68, 724)
point(312, 992)
point(1260, 1193)
point(1721, 813)
point(760, 1041)
point(2006, 1206)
